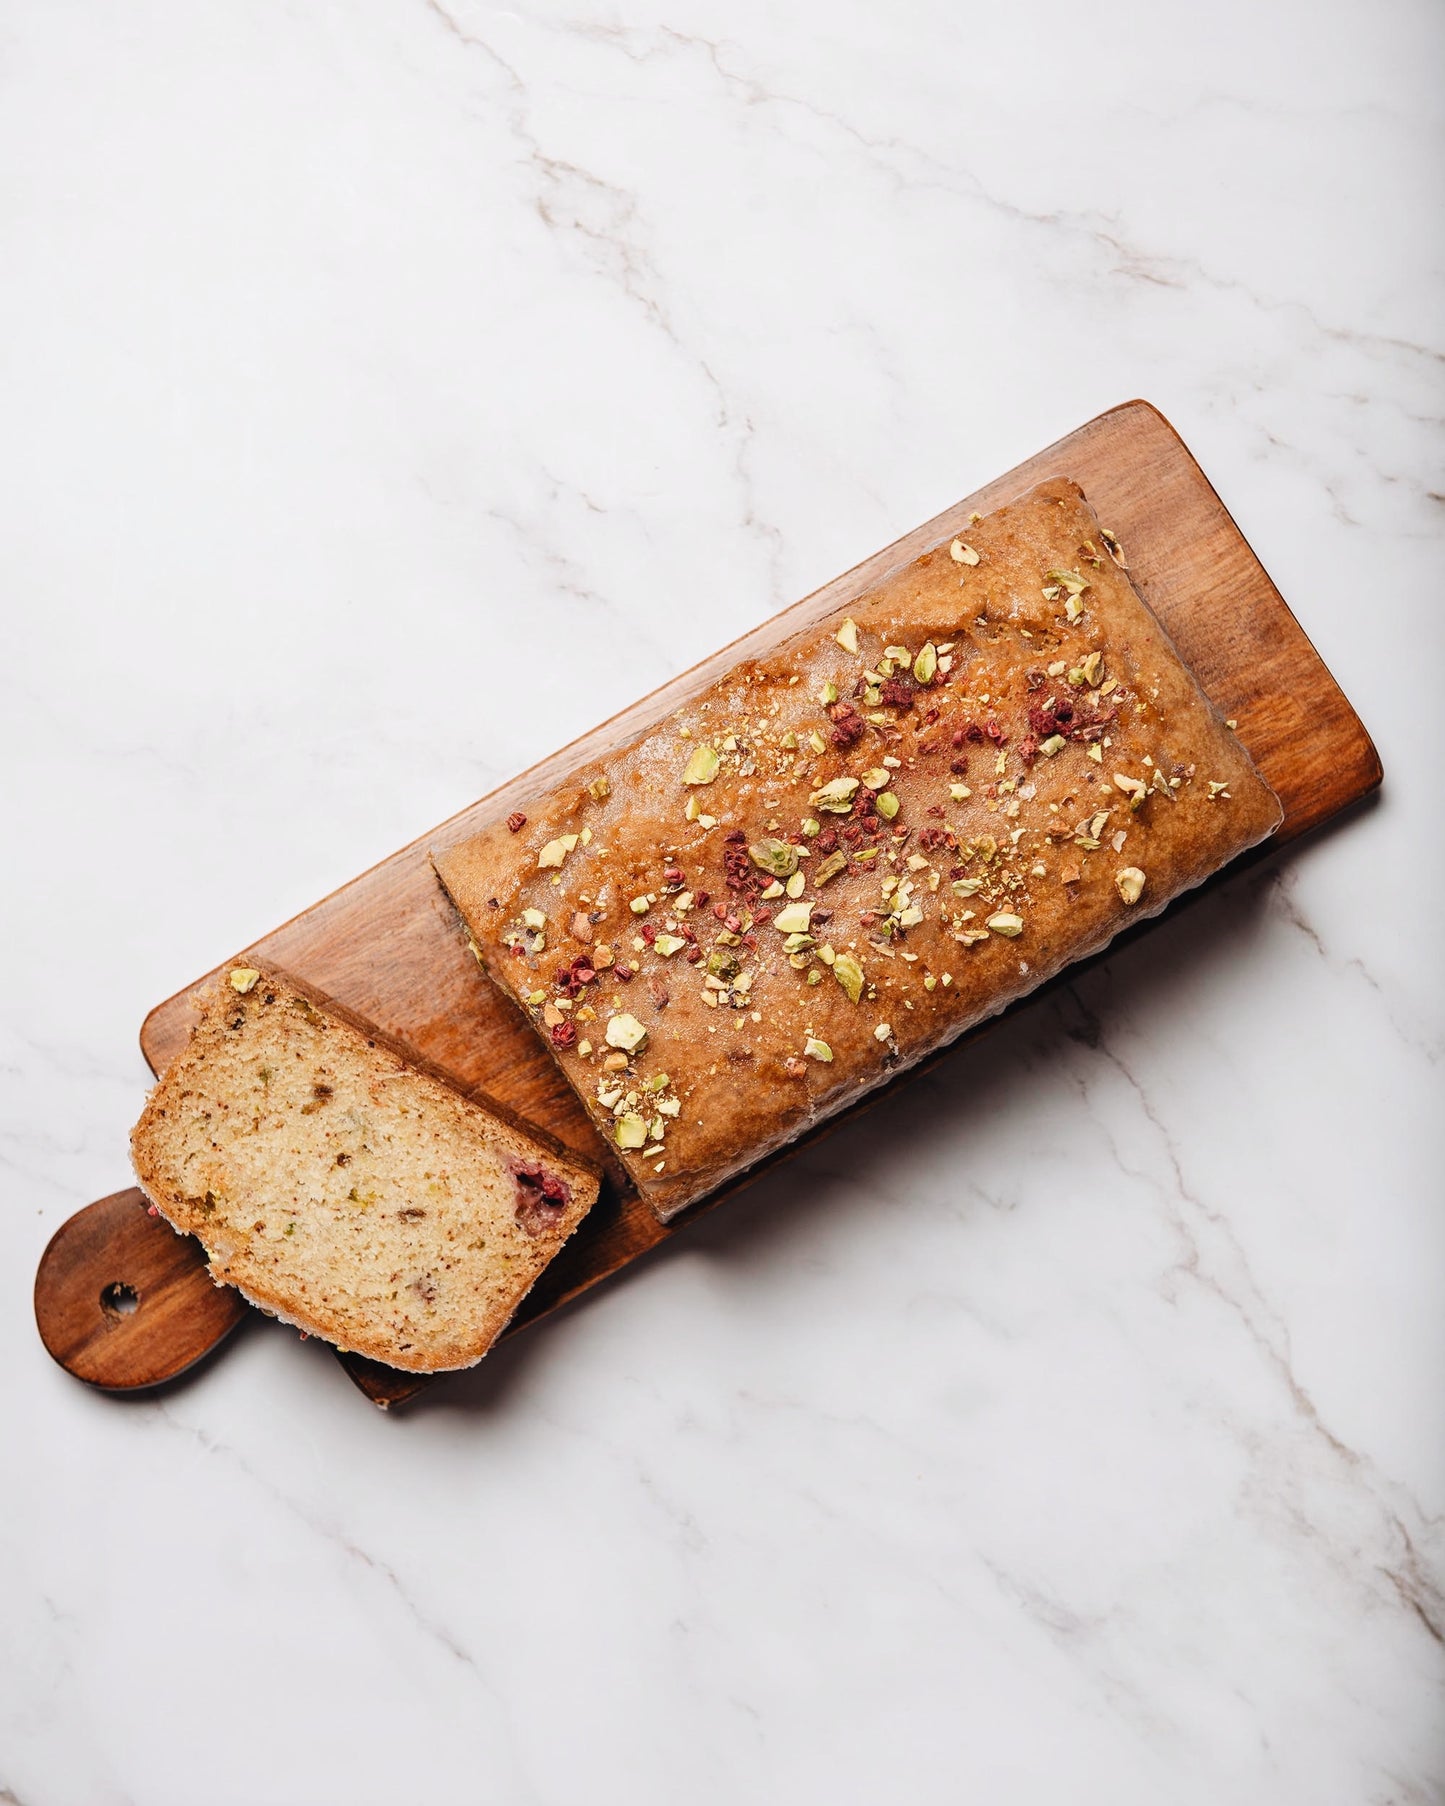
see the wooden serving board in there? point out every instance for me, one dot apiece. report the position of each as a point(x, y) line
point(388, 945)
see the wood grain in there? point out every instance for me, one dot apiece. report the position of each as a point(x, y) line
point(123, 1302)
point(387, 945)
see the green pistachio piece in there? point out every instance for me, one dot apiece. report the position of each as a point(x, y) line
point(849, 974)
point(626, 1032)
point(702, 766)
point(1006, 923)
point(837, 797)
point(631, 1131)
point(817, 1050)
point(556, 851)
point(793, 918)
point(886, 805)
point(775, 856)
point(926, 664)
point(830, 868)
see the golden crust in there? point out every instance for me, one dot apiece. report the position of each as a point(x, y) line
point(747, 1072)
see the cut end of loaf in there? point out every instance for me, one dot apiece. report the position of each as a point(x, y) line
point(345, 1191)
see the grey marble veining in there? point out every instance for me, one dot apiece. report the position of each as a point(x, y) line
point(390, 392)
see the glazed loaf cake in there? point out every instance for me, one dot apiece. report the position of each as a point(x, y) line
point(345, 1191)
point(842, 855)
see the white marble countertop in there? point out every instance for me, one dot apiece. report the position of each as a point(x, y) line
point(390, 391)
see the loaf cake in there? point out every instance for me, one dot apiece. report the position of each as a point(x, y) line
point(845, 853)
point(345, 1191)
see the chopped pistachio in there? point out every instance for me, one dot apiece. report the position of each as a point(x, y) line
point(817, 742)
point(812, 827)
point(556, 851)
point(533, 918)
point(959, 793)
point(830, 867)
point(1069, 580)
point(925, 666)
point(817, 1050)
point(789, 741)
point(795, 884)
point(826, 954)
point(877, 778)
point(849, 974)
point(886, 805)
point(626, 1032)
point(882, 1032)
point(898, 655)
point(1130, 786)
point(1054, 744)
point(1073, 608)
point(967, 887)
point(631, 1130)
point(793, 918)
point(668, 944)
point(961, 553)
point(828, 693)
point(599, 790)
point(837, 797)
point(244, 978)
point(1090, 668)
point(640, 905)
point(847, 635)
point(1006, 923)
point(1130, 883)
point(702, 765)
point(1058, 668)
point(775, 856)
point(1096, 753)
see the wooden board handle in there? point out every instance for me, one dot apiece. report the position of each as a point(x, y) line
point(123, 1302)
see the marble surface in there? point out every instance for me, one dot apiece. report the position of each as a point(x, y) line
point(390, 391)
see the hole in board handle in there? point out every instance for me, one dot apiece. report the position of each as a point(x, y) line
point(118, 1299)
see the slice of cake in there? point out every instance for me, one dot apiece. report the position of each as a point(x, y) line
point(345, 1191)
